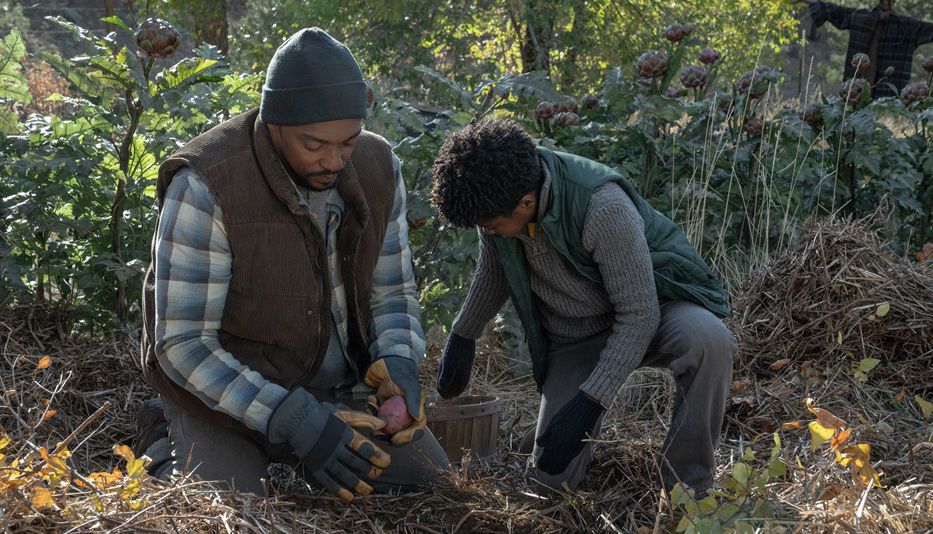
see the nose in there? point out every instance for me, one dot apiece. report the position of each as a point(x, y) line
point(333, 160)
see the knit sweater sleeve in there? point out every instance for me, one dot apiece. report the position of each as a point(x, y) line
point(488, 292)
point(613, 232)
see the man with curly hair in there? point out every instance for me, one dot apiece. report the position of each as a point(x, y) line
point(603, 284)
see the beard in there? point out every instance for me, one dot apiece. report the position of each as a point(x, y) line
point(316, 187)
point(306, 180)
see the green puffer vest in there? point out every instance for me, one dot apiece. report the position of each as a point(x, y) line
point(679, 271)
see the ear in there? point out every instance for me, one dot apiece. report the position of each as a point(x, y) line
point(529, 200)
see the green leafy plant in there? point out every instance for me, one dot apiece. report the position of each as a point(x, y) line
point(740, 505)
point(79, 188)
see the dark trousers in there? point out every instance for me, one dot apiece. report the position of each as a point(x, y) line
point(698, 348)
point(216, 453)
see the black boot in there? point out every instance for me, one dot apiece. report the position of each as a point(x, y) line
point(152, 436)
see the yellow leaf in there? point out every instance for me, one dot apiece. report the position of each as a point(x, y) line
point(49, 414)
point(791, 425)
point(135, 468)
point(41, 498)
point(819, 434)
point(868, 364)
point(64, 452)
point(4, 441)
point(840, 439)
point(124, 452)
point(824, 417)
point(858, 458)
point(839, 338)
point(925, 406)
point(104, 480)
point(882, 309)
point(44, 362)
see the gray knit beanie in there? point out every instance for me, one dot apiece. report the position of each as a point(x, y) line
point(312, 78)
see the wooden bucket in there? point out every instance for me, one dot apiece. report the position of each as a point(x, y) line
point(468, 422)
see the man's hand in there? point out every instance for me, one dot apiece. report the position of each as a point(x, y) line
point(395, 375)
point(562, 440)
point(332, 454)
point(453, 376)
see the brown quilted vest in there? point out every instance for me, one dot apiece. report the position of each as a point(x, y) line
point(277, 317)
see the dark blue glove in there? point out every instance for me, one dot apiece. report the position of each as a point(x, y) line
point(456, 365)
point(332, 454)
point(562, 440)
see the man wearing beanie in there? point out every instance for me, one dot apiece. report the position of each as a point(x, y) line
point(281, 293)
point(603, 284)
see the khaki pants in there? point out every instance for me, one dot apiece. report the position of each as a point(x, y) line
point(698, 349)
point(216, 453)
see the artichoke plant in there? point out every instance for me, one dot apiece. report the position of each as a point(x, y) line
point(545, 110)
point(812, 114)
point(652, 64)
point(914, 92)
point(156, 38)
point(851, 90)
point(694, 77)
point(675, 33)
point(861, 63)
point(708, 56)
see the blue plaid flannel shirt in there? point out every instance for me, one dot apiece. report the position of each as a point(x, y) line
point(193, 270)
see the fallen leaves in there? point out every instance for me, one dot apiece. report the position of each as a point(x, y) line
point(779, 364)
point(883, 309)
point(824, 417)
point(828, 427)
point(926, 407)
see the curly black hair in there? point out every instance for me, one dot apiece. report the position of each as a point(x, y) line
point(483, 170)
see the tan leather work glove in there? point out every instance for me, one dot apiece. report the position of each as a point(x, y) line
point(395, 375)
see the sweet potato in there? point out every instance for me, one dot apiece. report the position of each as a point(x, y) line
point(395, 413)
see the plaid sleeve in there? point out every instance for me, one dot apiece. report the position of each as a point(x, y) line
point(193, 269)
point(395, 321)
point(923, 33)
point(838, 16)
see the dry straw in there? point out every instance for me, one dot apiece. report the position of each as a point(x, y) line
point(832, 281)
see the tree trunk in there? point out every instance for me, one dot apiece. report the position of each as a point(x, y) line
point(210, 23)
point(536, 41)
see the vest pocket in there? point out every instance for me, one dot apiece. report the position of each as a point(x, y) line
point(290, 322)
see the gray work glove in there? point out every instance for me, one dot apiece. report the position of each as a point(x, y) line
point(332, 454)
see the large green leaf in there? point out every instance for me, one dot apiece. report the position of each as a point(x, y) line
point(86, 85)
point(466, 98)
point(81, 34)
point(531, 85)
point(12, 82)
point(9, 122)
point(113, 70)
point(185, 72)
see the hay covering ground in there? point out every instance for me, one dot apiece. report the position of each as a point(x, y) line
point(791, 310)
